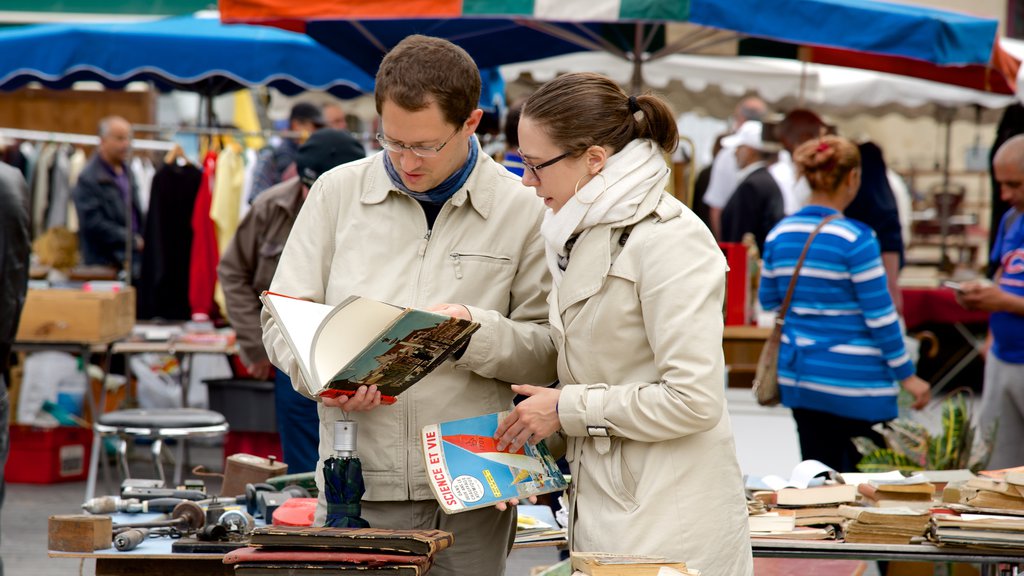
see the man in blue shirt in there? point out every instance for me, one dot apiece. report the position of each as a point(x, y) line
point(1003, 394)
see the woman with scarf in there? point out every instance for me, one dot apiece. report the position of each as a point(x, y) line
point(636, 316)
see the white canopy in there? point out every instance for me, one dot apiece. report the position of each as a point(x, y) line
point(782, 83)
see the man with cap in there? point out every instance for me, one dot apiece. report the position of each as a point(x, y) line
point(756, 205)
point(724, 177)
point(248, 266)
point(273, 161)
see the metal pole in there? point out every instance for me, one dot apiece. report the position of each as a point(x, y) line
point(945, 193)
point(637, 81)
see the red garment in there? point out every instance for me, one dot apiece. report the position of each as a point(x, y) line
point(205, 257)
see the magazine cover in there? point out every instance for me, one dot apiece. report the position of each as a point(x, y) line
point(466, 470)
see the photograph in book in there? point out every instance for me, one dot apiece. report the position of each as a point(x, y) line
point(363, 342)
point(466, 470)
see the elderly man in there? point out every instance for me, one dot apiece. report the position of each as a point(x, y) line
point(724, 171)
point(756, 205)
point(107, 201)
point(1002, 397)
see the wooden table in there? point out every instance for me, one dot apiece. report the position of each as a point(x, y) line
point(742, 347)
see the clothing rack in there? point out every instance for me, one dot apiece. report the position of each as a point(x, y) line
point(215, 131)
point(85, 139)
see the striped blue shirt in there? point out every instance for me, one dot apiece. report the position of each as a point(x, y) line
point(842, 347)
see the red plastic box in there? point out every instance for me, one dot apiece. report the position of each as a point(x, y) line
point(738, 303)
point(48, 455)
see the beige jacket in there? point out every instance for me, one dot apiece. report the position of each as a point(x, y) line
point(650, 444)
point(356, 235)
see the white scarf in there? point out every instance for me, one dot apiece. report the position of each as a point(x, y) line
point(614, 194)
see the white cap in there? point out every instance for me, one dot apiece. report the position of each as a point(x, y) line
point(749, 134)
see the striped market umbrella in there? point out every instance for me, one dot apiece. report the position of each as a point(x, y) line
point(909, 40)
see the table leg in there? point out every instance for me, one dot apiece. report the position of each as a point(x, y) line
point(969, 357)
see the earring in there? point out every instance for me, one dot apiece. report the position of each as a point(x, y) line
point(586, 200)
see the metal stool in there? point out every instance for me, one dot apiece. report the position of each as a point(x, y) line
point(158, 425)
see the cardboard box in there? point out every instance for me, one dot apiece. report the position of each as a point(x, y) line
point(63, 315)
point(48, 455)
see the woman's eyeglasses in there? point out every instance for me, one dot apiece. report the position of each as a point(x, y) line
point(536, 168)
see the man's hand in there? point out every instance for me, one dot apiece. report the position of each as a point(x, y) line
point(533, 420)
point(920, 389)
point(260, 370)
point(454, 310)
point(982, 296)
point(364, 400)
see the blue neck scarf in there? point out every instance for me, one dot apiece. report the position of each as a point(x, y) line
point(443, 191)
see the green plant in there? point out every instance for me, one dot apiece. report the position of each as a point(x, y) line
point(911, 447)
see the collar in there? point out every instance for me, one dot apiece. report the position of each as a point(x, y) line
point(479, 189)
point(817, 210)
point(743, 173)
point(291, 200)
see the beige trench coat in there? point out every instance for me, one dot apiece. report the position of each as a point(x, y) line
point(356, 235)
point(650, 443)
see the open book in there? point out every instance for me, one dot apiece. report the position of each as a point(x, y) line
point(365, 342)
point(466, 470)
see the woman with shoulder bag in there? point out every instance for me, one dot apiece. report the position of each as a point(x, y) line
point(841, 353)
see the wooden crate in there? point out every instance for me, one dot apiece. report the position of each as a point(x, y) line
point(61, 315)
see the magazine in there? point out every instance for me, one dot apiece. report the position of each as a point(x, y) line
point(466, 470)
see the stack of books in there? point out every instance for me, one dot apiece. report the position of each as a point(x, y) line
point(889, 525)
point(988, 494)
point(978, 530)
point(536, 525)
point(300, 550)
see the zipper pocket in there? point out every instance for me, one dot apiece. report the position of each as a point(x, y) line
point(458, 257)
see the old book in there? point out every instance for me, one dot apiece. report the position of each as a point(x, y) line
point(989, 499)
point(778, 520)
point(467, 471)
point(323, 569)
point(896, 517)
point(365, 342)
point(979, 522)
point(913, 485)
point(874, 494)
point(603, 564)
point(800, 533)
point(421, 542)
point(817, 515)
point(826, 494)
point(320, 555)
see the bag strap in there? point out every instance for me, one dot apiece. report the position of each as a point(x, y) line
point(781, 318)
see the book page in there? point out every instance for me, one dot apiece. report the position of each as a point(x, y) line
point(299, 321)
point(347, 331)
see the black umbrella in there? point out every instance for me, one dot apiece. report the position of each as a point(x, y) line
point(343, 480)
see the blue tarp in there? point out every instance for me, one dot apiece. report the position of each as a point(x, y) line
point(190, 53)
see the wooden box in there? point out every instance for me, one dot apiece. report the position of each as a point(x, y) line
point(79, 533)
point(63, 315)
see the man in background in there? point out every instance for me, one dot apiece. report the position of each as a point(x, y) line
point(756, 205)
point(248, 266)
point(724, 171)
point(1002, 398)
point(14, 253)
point(334, 116)
point(304, 118)
point(106, 198)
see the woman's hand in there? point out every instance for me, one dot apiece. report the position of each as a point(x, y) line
point(364, 400)
point(920, 389)
point(532, 420)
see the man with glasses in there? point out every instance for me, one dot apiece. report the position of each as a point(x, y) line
point(430, 222)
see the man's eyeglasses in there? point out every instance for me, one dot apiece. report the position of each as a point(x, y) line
point(421, 151)
point(536, 168)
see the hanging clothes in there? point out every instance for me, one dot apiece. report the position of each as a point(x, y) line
point(41, 188)
point(60, 189)
point(77, 163)
point(227, 188)
point(247, 180)
point(203, 266)
point(163, 289)
point(143, 170)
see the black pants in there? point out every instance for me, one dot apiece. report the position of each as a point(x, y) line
point(828, 438)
